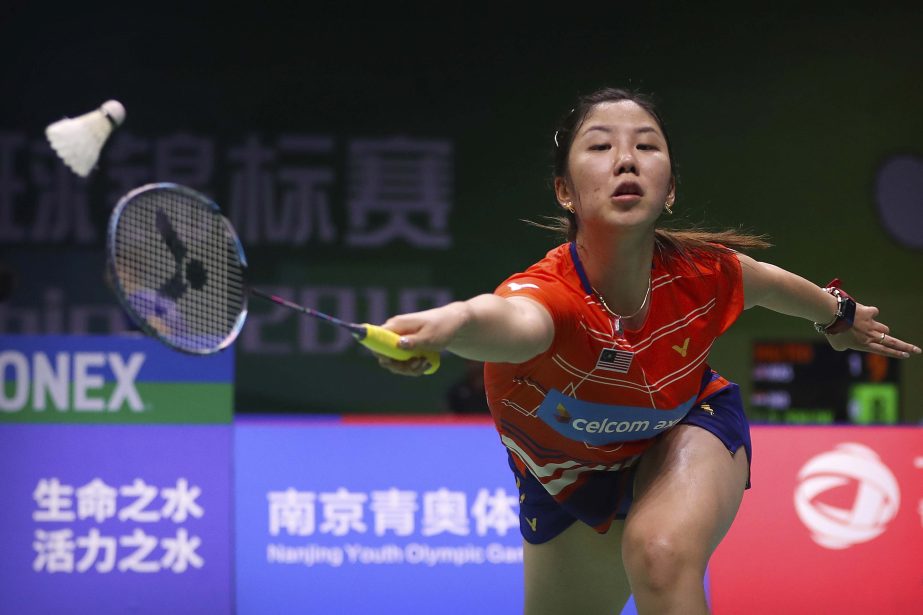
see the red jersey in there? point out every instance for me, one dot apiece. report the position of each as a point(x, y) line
point(598, 396)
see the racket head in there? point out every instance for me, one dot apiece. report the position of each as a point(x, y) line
point(177, 267)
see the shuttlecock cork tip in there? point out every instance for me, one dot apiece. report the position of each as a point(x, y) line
point(114, 110)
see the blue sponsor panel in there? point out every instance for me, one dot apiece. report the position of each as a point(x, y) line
point(115, 519)
point(601, 424)
point(352, 518)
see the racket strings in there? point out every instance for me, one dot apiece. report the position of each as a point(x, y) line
point(180, 269)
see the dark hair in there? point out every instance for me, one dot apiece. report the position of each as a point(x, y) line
point(670, 242)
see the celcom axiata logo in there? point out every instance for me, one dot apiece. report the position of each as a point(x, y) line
point(855, 467)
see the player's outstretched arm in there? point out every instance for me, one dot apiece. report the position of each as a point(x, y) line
point(484, 328)
point(787, 293)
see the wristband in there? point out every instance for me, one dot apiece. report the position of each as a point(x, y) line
point(845, 310)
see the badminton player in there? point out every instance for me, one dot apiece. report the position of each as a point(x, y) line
point(630, 453)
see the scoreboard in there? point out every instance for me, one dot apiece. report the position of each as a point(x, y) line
point(796, 382)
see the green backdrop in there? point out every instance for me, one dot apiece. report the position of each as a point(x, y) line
point(780, 120)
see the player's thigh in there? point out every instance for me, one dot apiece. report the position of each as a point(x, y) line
point(577, 571)
point(688, 489)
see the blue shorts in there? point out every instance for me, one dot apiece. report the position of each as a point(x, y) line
point(541, 517)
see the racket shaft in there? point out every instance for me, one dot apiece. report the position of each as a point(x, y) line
point(355, 329)
point(385, 342)
point(373, 337)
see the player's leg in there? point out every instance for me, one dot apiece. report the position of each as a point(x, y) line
point(577, 571)
point(569, 566)
point(687, 491)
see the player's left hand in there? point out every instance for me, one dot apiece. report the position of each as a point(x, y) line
point(869, 335)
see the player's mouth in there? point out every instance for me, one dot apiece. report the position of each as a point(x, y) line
point(627, 192)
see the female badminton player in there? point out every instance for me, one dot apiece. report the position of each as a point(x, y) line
point(630, 453)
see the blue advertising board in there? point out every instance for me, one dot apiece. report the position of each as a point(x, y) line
point(352, 518)
point(115, 519)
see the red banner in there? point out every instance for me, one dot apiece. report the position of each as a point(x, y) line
point(833, 524)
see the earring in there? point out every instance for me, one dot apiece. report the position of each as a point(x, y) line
point(569, 207)
point(668, 206)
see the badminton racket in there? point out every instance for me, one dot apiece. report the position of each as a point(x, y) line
point(178, 268)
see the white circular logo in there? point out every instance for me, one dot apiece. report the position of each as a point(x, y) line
point(877, 496)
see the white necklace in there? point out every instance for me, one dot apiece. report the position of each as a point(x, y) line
point(619, 317)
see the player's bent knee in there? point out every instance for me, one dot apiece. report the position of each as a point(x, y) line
point(660, 562)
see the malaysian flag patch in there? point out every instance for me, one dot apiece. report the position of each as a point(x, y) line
point(615, 360)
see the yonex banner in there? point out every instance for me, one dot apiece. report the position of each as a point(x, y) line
point(115, 519)
point(833, 524)
point(111, 379)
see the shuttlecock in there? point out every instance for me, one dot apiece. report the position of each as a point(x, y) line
point(79, 140)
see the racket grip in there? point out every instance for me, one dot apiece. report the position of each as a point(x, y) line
point(384, 341)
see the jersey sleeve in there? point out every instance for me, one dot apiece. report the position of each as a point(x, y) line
point(729, 290)
point(546, 289)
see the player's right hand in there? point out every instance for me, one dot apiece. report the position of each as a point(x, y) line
point(430, 330)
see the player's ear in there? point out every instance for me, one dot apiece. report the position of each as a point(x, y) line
point(563, 192)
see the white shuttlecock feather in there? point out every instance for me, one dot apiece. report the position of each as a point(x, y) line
point(79, 140)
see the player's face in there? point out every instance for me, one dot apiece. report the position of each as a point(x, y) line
point(619, 168)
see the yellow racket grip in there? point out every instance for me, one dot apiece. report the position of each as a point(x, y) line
point(384, 341)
